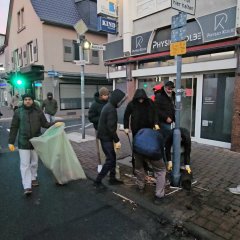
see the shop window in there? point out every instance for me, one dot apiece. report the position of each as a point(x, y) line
point(217, 106)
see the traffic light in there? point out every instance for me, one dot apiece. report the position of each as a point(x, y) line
point(18, 80)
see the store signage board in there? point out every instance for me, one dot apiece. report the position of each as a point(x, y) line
point(107, 25)
point(178, 48)
point(187, 6)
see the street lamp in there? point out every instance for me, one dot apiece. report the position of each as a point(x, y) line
point(83, 45)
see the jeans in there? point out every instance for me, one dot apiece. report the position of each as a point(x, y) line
point(110, 164)
point(49, 117)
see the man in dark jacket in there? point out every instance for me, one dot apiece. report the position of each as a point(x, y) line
point(165, 105)
point(50, 107)
point(142, 114)
point(101, 98)
point(107, 133)
point(27, 122)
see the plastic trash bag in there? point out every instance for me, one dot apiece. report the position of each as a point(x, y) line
point(56, 153)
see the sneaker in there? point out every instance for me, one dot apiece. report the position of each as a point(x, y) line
point(114, 181)
point(235, 190)
point(27, 191)
point(35, 183)
point(99, 185)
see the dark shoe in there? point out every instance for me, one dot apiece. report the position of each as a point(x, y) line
point(60, 184)
point(27, 191)
point(35, 183)
point(114, 181)
point(158, 201)
point(99, 186)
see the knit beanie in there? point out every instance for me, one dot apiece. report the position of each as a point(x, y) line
point(27, 95)
point(103, 91)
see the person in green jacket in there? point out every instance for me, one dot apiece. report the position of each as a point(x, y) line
point(26, 123)
point(50, 107)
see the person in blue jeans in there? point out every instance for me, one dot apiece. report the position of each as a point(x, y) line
point(107, 133)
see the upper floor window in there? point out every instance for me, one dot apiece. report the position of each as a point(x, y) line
point(31, 52)
point(20, 19)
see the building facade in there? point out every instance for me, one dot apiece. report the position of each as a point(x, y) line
point(41, 45)
point(210, 71)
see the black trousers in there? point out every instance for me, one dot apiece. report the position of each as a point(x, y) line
point(110, 164)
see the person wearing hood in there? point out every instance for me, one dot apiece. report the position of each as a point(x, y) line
point(26, 123)
point(107, 133)
point(165, 105)
point(141, 112)
point(100, 100)
point(50, 107)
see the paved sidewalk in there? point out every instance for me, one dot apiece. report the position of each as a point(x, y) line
point(209, 211)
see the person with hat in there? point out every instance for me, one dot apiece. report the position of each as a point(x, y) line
point(50, 107)
point(27, 122)
point(165, 105)
point(100, 99)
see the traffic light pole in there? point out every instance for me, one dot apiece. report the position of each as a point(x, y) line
point(81, 38)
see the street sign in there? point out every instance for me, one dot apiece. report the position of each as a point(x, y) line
point(53, 74)
point(98, 47)
point(179, 20)
point(81, 27)
point(178, 48)
point(187, 6)
point(80, 62)
point(178, 34)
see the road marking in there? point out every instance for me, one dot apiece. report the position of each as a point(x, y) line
point(77, 125)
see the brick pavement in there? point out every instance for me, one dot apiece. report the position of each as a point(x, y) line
point(212, 214)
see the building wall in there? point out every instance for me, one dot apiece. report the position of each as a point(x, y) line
point(33, 30)
point(53, 50)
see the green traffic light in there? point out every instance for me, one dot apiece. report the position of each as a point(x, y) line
point(19, 82)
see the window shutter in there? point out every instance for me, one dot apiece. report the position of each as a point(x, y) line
point(24, 55)
point(76, 50)
point(68, 53)
point(20, 61)
point(35, 50)
point(95, 57)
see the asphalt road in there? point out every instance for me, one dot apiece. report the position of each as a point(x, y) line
point(75, 211)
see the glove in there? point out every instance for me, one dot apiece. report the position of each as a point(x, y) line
point(117, 145)
point(156, 127)
point(11, 147)
point(58, 124)
point(169, 165)
point(126, 131)
point(188, 169)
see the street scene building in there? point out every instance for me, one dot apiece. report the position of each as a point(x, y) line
point(41, 46)
point(138, 57)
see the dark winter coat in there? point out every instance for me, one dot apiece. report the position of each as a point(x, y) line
point(107, 125)
point(27, 124)
point(165, 105)
point(50, 106)
point(185, 143)
point(141, 115)
point(95, 110)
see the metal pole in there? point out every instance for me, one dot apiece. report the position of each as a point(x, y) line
point(176, 133)
point(82, 37)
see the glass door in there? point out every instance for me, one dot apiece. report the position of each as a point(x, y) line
point(188, 108)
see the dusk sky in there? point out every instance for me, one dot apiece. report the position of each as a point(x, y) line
point(3, 15)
